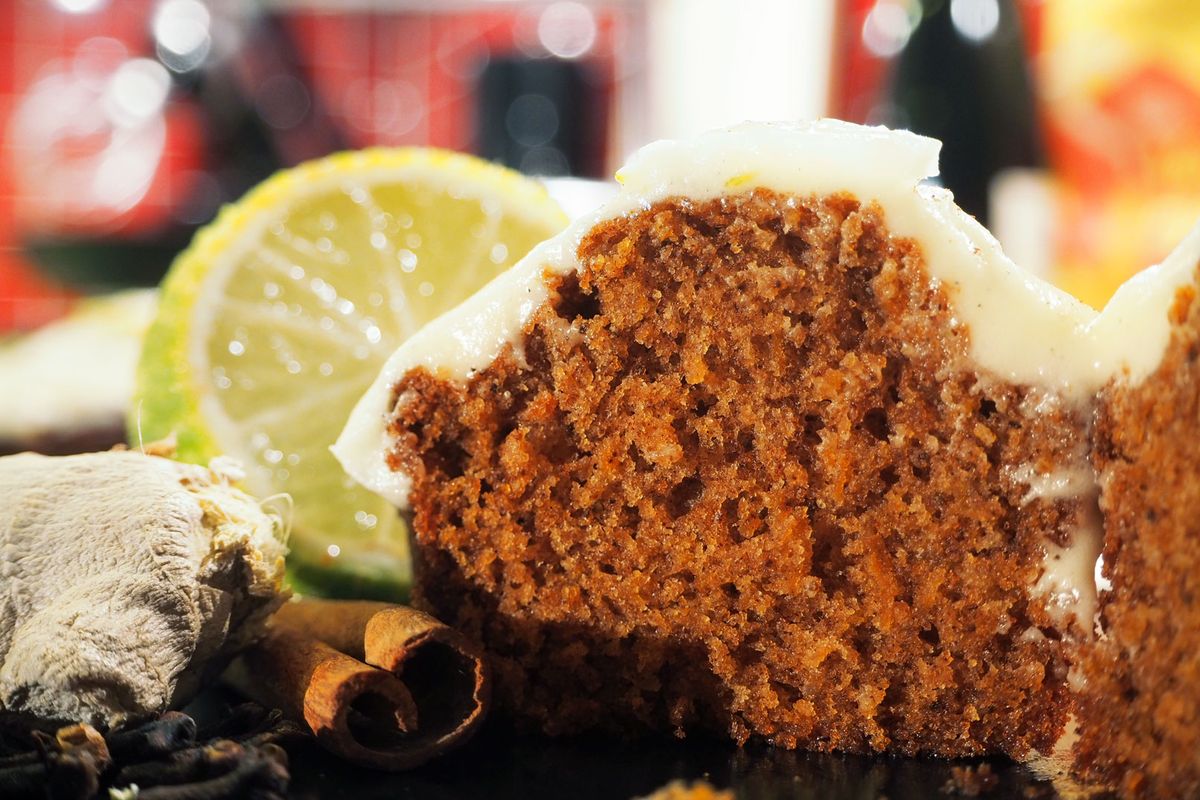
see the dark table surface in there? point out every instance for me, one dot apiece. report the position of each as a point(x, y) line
point(501, 765)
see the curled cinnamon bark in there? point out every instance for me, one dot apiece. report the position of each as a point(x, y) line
point(419, 689)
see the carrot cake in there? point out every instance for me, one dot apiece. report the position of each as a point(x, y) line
point(779, 444)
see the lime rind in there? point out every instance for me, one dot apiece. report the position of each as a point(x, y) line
point(174, 393)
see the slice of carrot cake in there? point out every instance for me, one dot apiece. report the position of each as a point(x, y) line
point(778, 443)
point(1138, 683)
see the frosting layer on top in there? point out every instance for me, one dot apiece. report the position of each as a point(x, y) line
point(1022, 329)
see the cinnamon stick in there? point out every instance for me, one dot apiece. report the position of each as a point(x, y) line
point(439, 669)
point(349, 706)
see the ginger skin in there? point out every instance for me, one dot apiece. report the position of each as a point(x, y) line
point(127, 580)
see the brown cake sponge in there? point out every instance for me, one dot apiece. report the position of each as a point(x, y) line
point(722, 487)
point(1139, 707)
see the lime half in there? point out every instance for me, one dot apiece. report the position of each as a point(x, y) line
point(282, 311)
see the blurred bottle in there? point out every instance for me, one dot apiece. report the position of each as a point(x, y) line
point(960, 75)
point(540, 116)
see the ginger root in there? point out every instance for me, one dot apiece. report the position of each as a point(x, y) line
point(126, 580)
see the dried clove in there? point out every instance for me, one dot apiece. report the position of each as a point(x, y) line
point(240, 721)
point(284, 732)
point(16, 735)
point(76, 760)
point(159, 737)
point(74, 774)
point(160, 757)
point(67, 766)
point(82, 736)
point(262, 773)
point(23, 780)
point(20, 758)
point(185, 766)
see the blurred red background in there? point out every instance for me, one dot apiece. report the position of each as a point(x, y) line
point(126, 123)
point(309, 78)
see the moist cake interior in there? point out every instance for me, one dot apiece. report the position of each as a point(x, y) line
point(720, 483)
point(1138, 683)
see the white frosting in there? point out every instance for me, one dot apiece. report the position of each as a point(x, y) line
point(1133, 331)
point(77, 372)
point(1068, 576)
point(1064, 483)
point(1022, 329)
point(578, 196)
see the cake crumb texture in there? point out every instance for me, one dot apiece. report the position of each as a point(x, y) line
point(1139, 706)
point(720, 484)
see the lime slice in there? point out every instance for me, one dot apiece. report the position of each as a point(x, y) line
point(281, 312)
